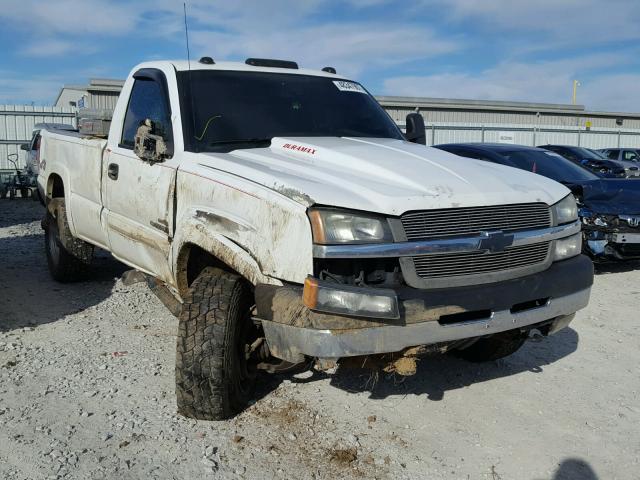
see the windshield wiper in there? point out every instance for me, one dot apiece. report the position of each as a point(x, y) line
point(225, 146)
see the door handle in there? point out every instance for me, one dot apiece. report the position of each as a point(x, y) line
point(112, 171)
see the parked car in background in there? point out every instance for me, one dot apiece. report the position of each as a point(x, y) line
point(609, 209)
point(32, 147)
point(622, 154)
point(595, 162)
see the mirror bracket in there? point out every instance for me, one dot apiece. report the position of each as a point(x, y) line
point(149, 146)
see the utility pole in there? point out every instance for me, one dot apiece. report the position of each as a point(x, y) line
point(576, 84)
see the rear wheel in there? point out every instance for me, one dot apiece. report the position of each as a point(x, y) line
point(63, 265)
point(216, 355)
point(491, 348)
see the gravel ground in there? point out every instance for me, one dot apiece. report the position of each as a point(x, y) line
point(87, 392)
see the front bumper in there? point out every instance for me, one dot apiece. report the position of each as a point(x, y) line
point(611, 244)
point(427, 316)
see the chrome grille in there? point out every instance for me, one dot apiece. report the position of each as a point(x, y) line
point(449, 222)
point(480, 262)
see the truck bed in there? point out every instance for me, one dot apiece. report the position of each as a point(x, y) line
point(78, 158)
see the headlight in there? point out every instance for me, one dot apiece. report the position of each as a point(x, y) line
point(350, 300)
point(567, 247)
point(566, 210)
point(335, 226)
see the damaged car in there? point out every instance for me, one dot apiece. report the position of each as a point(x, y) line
point(609, 208)
point(289, 221)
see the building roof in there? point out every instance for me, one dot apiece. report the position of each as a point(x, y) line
point(115, 85)
point(497, 105)
point(490, 146)
point(95, 85)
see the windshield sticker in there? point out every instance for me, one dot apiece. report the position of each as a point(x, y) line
point(349, 86)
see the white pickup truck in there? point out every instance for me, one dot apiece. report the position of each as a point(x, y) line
point(288, 219)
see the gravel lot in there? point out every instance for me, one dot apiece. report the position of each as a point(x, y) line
point(87, 392)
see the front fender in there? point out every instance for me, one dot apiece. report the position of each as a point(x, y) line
point(218, 236)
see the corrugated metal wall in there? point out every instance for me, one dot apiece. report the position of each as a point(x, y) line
point(103, 100)
point(16, 125)
point(457, 125)
point(532, 136)
point(490, 118)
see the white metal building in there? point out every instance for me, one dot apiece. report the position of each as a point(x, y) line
point(17, 122)
point(454, 120)
point(100, 93)
point(446, 120)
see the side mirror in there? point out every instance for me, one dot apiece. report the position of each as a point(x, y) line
point(25, 147)
point(148, 145)
point(415, 129)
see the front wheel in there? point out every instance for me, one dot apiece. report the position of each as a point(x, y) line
point(216, 364)
point(492, 348)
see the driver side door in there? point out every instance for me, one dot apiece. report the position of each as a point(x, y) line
point(139, 194)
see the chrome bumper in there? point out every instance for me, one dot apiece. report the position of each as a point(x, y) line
point(291, 342)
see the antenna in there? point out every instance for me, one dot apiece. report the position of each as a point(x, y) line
point(186, 34)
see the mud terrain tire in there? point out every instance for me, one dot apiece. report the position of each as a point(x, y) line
point(492, 348)
point(214, 378)
point(64, 266)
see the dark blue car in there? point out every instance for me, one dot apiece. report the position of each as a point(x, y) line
point(596, 162)
point(609, 208)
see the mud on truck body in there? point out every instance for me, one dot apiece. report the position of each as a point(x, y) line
point(289, 219)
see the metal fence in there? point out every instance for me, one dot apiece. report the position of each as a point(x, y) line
point(17, 122)
point(16, 126)
point(531, 135)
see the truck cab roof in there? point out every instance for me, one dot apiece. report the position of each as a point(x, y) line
point(184, 65)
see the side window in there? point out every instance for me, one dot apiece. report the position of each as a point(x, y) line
point(631, 155)
point(147, 100)
point(612, 154)
point(35, 140)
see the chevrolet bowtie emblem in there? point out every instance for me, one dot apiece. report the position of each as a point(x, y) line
point(495, 241)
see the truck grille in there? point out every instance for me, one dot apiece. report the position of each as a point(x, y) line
point(459, 222)
point(480, 262)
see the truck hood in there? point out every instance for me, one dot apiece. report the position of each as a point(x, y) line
point(381, 175)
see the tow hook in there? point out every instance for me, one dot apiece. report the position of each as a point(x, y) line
point(534, 335)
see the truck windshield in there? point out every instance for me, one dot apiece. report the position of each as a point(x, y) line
point(549, 164)
point(226, 110)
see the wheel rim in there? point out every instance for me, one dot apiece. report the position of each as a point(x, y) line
point(246, 361)
point(52, 241)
